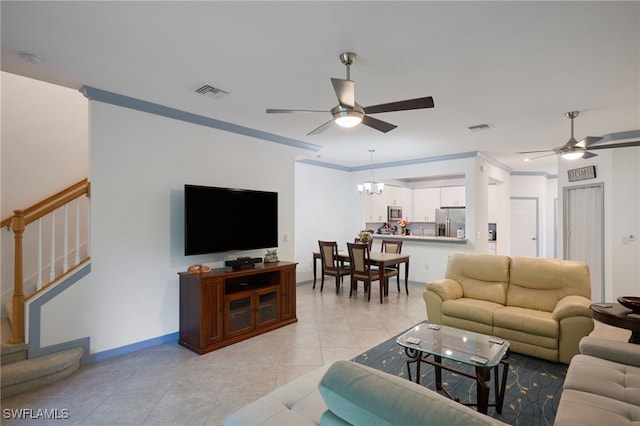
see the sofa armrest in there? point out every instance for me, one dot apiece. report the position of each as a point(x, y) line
point(612, 350)
point(361, 395)
point(572, 306)
point(446, 289)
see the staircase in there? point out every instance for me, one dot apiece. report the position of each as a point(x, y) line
point(19, 374)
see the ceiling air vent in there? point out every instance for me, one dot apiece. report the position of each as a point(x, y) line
point(478, 127)
point(211, 92)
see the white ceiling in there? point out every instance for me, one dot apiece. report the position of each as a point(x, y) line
point(517, 65)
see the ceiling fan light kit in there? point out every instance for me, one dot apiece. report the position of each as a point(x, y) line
point(348, 113)
point(347, 118)
point(572, 153)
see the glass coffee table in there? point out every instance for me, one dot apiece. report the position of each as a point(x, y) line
point(434, 344)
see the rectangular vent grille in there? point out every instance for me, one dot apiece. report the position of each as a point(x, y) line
point(479, 127)
point(211, 92)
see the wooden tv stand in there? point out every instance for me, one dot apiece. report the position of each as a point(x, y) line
point(224, 306)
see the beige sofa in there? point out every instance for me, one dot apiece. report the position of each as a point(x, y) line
point(542, 306)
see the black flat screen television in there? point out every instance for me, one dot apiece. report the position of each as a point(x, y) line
point(225, 219)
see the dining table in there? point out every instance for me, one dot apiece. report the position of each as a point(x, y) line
point(382, 260)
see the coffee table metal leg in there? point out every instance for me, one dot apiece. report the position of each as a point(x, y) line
point(414, 356)
point(482, 376)
point(500, 389)
point(438, 371)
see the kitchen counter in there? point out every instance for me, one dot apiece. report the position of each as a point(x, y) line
point(420, 238)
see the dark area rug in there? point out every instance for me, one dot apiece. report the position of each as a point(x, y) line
point(531, 396)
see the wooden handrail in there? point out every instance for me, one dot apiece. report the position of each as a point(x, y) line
point(51, 203)
point(18, 222)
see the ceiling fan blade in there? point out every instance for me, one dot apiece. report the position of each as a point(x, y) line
point(588, 154)
point(417, 103)
point(589, 140)
point(286, 111)
point(345, 91)
point(534, 152)
point(541, 156)
point(616, 145)
point(629, 134)
point(321, 128)
point(380, 125)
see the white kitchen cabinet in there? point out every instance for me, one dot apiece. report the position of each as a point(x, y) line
point(375, 206)
point(452, 196)
point(425, 203)
point(402, 197)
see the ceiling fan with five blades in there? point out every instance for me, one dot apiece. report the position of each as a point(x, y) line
point(348, 113)
point(574, 149)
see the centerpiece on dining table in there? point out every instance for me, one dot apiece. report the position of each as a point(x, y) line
point(365, 237)
point(402, 223)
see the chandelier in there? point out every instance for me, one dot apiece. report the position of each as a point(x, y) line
point(371, 187)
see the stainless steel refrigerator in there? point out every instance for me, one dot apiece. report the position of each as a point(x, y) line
point(449, 220)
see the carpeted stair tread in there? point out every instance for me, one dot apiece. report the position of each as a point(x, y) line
point(12, 353)
point(28, 374)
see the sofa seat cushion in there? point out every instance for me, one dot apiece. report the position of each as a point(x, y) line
point(474, 310)
point(362, 395)
point(599, 392)
point(610, 379)
point(530, 321)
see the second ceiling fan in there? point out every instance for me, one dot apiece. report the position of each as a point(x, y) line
point(574, 149)
point(348, 113)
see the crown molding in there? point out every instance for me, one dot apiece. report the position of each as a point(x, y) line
point(99, 95)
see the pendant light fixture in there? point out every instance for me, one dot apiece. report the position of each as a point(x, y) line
point(371, 187)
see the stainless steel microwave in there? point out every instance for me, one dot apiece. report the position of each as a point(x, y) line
point(394, 213)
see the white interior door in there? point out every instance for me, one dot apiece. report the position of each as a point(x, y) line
point(584, 232)
point(524, 227)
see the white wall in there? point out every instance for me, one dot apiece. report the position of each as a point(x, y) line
point(44, 129)
point(322, 195)
point(139, 165)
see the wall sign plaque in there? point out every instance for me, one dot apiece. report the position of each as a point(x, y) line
point(582, 173)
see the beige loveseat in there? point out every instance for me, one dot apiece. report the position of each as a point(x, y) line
point(542, 306)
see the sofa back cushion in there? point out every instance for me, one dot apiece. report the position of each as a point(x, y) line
point(482, 276)
point(538, 283)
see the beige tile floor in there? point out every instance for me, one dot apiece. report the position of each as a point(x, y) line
point(168, 384)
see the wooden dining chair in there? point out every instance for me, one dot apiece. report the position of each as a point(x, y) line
point(331, 264)
point(393, 246)
point(361, 269)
